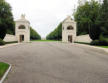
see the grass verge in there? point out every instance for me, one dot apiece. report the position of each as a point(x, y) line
point(44, 40)
point(103, 46)
point(3, 68)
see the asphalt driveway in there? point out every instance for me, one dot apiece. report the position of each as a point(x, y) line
point(54, 62)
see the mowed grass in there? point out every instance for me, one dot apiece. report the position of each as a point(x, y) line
point(44, 40)
point(103, 46)
point(3, 68)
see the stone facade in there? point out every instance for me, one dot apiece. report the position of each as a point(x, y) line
point(68, 30)
point(22, 30)
point(83, 38)
point(10, 38)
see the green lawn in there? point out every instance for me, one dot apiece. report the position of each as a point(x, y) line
point(44, 40)
point(103, 46)
point(3, 68)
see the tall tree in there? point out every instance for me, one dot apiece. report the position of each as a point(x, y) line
point(6, 19)
point(86, 16)
point(103, 19)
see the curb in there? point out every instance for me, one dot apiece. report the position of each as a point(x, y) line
point(104, 49)
point(5, 75)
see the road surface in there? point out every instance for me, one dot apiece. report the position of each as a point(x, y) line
point(54, 62)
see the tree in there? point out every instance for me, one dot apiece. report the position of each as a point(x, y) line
point(86, 16)
point(103, 19)
point(56, 34)
point(34, 35)
point(7, 24)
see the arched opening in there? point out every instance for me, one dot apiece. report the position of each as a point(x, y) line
point(21, 27)
point(70, 28)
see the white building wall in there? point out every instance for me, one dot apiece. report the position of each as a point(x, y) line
point(83, 38)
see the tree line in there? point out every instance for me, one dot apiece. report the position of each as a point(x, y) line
point(56, 34)
point(34, 35)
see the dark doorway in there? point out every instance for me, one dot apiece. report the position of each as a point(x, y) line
point(70, 38)
point(21, 38)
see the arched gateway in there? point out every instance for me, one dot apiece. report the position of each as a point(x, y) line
point(68, 30)
point(22, 30)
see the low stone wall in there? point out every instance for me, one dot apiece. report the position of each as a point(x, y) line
point(83, 38)
point(10, 38)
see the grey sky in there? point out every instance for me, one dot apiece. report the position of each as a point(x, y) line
point(44, 15)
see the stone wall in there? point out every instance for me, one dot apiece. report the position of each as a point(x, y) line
point(83, 38)
point(10, 38)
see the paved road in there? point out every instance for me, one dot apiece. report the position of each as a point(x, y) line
point(52, 62)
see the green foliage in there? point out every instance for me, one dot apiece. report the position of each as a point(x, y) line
point(101, 42)
point(2, 42)
point(102, 22)
point(85, 17)
point(34, 35)
point(56, 34)
point(95, 42)
point(6, 19)
point(103, 19)
point(44, 40)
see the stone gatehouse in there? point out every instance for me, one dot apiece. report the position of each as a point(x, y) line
point(68, 30)
point(22, 31)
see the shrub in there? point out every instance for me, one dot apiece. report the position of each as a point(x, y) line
point(2, 42)
point(103, 41)
point(95, 42)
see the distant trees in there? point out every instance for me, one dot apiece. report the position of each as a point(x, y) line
point(56, 34)
point(7, 24)
point(34, 35)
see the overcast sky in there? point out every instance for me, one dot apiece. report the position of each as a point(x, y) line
point(44, 15)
